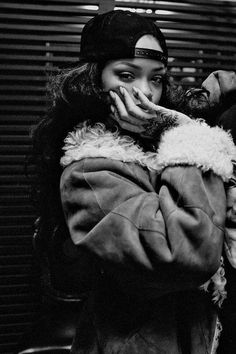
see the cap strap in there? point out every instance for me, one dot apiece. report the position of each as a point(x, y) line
point(150, 54)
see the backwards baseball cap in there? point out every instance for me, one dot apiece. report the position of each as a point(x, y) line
point(114, 34)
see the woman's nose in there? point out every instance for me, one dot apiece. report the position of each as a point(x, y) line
point(143, 85)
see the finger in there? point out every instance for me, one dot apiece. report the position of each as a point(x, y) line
point(130, 119)
point(115, 114)
point(119, 105)
point(114, 117)
point(127, 126)
point(146, 103)
point(131, 128)
point(122, 111)
point(152, 107)
point(131, 106)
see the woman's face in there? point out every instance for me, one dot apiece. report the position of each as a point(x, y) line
point(145, 74)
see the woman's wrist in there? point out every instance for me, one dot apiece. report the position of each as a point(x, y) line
point(155, 127)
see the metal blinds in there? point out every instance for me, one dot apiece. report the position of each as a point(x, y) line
point(37, 37)
point(201, 35)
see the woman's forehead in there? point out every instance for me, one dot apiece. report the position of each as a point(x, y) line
point(148, 42)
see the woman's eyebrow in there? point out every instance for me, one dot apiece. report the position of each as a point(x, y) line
point(161, 68)
point(134, 66)
point(138, 67)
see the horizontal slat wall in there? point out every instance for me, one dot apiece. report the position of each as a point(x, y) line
point(201, 35)
point(37, 38)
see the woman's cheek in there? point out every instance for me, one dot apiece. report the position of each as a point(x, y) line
point(157, 94)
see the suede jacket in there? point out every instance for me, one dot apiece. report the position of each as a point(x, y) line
point(149, 230)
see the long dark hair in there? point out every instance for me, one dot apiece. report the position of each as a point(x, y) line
point(70, 94)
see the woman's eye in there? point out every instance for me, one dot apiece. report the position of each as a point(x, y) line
point(126, 76)
point(157, 80)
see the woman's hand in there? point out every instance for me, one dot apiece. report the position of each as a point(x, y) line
point(144, 118)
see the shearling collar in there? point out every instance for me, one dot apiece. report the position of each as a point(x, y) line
point(191, 144)
point(86, 141)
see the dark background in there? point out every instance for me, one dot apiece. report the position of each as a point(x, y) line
point(37, 38)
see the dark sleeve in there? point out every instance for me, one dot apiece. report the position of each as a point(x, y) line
point(148, 242)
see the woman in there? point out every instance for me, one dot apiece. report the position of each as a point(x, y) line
point(146, 210)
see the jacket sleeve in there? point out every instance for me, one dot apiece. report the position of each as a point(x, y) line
point(151, 243)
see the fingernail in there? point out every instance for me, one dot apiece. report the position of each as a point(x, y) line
point(112, 109)
point(112, 94)
point(135, 89)
point(122, 90)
